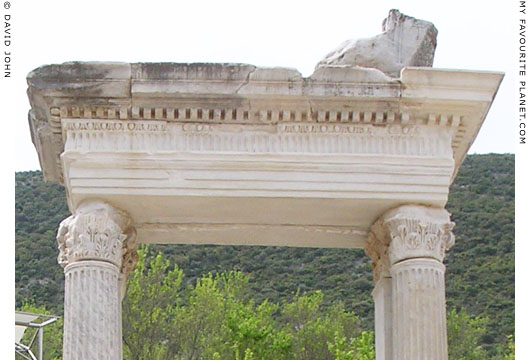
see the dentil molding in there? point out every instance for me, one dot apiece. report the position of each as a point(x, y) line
point(228, 94)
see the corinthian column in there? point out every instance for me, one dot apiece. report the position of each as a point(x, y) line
point(407, 246)
point(97, 250)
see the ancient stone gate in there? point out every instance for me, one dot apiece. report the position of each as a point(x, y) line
point(349, 157)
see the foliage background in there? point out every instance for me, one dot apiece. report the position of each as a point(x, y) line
point(480, 267)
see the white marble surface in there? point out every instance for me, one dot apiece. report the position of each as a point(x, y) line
point(97, 250)
point(407, 246)
point(240, 155)
point(405, 41)
point(244, 155)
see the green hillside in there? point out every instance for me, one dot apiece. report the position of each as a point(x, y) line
point(480, 267)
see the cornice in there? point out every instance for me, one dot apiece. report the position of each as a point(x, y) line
point(246, 95)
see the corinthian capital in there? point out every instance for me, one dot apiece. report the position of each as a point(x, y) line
point(377, 249)
point(97, 231)
point(410, 231)
point(418, 232)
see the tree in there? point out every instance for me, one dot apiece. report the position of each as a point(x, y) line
point(510, 353)
point(150, 308)
point(463, 335)
point(480, 266)
point(318, 333)
point(217, 319)
point(359, 348)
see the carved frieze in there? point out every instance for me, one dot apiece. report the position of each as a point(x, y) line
point(151, 136)
point(94, 125)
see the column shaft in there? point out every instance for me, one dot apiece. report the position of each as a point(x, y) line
point(92, 312)
point(407, 246)
point(97, 249)
point(382, 295)
point(418, 308)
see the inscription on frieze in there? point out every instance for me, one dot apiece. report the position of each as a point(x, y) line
point(153, 135)
point(310, 128)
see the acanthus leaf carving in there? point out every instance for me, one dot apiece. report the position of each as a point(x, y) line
point(129, 260)
point(96, 231)
point(377, 249)
point(416, 233)
point(407, 232)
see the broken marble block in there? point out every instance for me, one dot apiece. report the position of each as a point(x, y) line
point(405, 41)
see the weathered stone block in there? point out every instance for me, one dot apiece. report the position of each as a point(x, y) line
point(405, 41)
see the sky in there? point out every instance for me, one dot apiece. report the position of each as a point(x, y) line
point(472, 35)
point(274, 33)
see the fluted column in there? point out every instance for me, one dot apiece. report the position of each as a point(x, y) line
point(97, 250)
point(407, 246)
point(382, 295)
